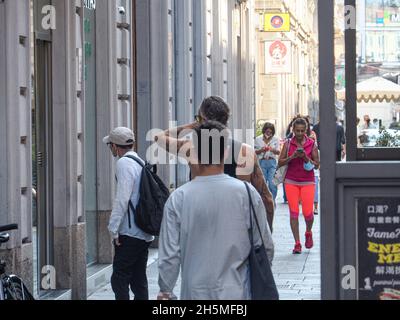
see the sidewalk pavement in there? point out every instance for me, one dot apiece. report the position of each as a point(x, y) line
point(297, 276)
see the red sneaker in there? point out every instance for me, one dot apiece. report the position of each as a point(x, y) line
point(297, 248)
point(309, 240)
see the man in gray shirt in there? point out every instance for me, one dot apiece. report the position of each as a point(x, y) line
point(205, 229)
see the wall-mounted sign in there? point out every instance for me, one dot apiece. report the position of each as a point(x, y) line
point(378, 248)
point(277, 22)
point(278, 57)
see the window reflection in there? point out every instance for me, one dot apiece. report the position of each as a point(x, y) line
point(378, 87)
point(378, 74)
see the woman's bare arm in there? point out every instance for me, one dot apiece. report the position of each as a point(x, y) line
point(249, 170)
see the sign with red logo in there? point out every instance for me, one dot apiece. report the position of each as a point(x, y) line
point(278, 57)
point(277, 22)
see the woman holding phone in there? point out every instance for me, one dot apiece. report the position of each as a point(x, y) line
point(268, 150)
point(300, 154)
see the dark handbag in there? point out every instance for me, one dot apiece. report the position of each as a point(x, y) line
point(262, 280)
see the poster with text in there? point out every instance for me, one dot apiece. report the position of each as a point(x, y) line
point(278, 57)
point(379, 248)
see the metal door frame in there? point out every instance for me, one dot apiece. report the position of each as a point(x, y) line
point(91, 15)
point(44, 163)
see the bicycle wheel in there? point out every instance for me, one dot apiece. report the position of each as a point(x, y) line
point(17, 291)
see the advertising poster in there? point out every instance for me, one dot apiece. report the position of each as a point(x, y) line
point(379, 248)
point(278, 57)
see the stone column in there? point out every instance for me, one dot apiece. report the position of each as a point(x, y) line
point(106, 103)
point(183, 72)
point(200, 52)
point(15, 135)
point(153, 73)
point(68, 116)
point(114, 102)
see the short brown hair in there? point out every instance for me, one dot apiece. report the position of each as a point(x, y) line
point(269, 126)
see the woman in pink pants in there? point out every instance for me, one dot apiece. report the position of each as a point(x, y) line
point(300, 153)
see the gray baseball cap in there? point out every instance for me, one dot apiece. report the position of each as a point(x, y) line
point(120, 136)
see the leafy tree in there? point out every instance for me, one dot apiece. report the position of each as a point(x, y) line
point(387, 140)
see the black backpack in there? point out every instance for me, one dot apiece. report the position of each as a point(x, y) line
point(153, 196)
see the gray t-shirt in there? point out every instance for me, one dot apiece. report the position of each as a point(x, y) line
point(205, 232)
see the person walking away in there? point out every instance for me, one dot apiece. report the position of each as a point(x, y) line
point(310, 132)
point(242, 161)
point(302, 159)
point(268, 150)
point(340, 142)
point(131, 244)
point(205, 237)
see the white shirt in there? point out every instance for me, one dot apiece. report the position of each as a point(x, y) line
point(128, 175)
point(274, 144)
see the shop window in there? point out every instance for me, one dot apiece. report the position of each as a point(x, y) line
point(372, 89)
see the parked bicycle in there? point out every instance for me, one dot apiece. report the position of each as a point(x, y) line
point(11, 286)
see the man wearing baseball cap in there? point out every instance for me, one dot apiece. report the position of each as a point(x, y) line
point(131, 243)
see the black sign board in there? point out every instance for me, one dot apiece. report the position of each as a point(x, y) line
point(378, 248)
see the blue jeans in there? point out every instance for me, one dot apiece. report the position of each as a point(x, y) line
point(269, 168)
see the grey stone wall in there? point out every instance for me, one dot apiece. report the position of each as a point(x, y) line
point(178, 64)
point(114, 102)
point(15, 119)
point(206, 60)
point(68, 149)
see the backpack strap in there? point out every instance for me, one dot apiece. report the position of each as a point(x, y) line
point(136, 160)
point(153, 168)
point(131, 208)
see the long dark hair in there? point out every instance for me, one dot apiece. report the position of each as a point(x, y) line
point(298, 120)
